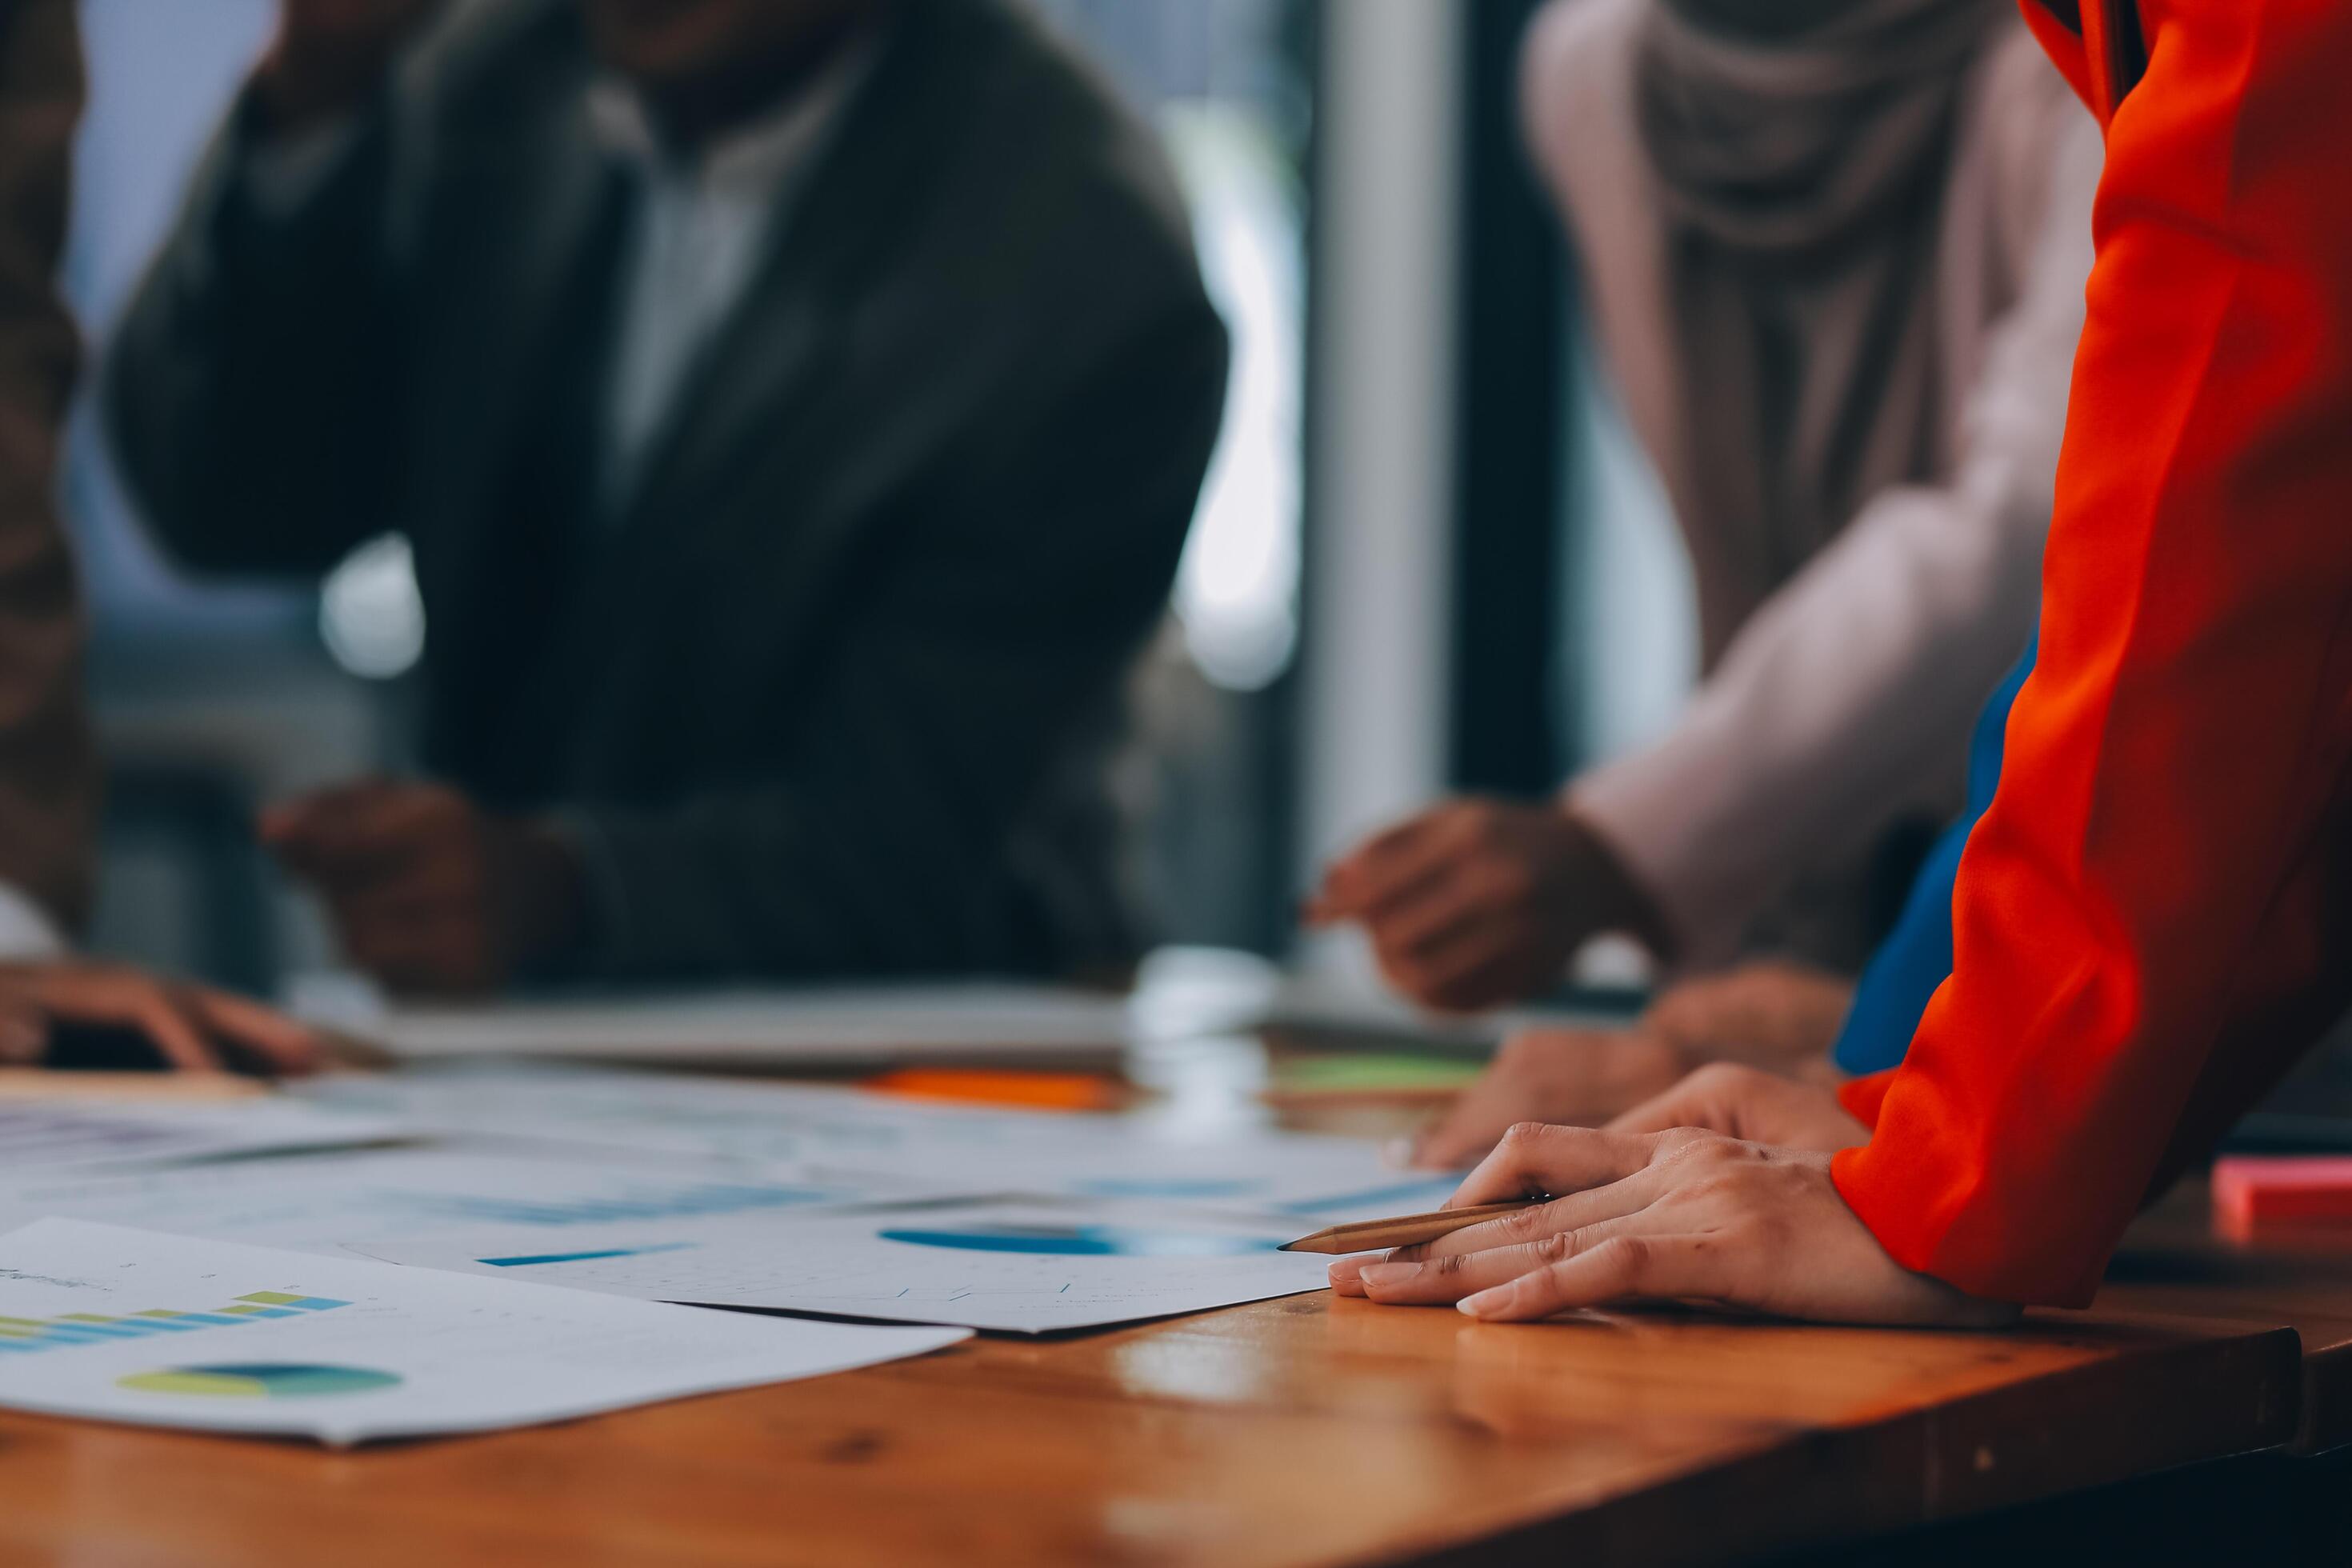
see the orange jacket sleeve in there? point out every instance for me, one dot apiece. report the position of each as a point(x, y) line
point(2162, 862)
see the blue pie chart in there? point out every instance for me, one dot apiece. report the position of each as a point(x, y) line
point(1084, 1241)
point(260, 1380)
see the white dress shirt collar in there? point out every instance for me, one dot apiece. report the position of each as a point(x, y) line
point(756, 159)
point(703, 225)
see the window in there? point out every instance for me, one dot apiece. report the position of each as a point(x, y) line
point(1221, 80)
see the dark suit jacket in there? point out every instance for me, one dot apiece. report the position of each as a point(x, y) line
point(48, 769)
point(831, 697)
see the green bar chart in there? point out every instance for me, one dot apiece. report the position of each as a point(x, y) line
point(22, 1336)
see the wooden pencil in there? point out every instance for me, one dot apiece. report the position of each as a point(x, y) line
point(1404, 1230)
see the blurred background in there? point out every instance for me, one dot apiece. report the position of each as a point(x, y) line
point(1426, 556)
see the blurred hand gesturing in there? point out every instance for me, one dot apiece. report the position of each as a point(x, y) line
point(428, 891)
point(1476, 902)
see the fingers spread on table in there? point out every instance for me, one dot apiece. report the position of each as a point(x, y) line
point(1451, 1277)
point(1627, 1266)
point(1610, 1200)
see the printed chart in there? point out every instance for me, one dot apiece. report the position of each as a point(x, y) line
point(345, 1350)
point(1021, 1267)
point(326, 1204)
point(23, 1336)
point(1066, 1240)
point(259, 1379)
point(843, 1138)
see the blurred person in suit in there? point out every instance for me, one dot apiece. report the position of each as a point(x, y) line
point(48, 765)
point(1835, 252)
point(796, 408)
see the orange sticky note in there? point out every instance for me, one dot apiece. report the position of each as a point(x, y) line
point(981, 1086)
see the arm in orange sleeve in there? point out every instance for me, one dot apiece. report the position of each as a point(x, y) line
point(2177, 764)
point(1865, 1095)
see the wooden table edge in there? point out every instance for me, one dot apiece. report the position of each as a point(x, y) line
point(2249, 1398)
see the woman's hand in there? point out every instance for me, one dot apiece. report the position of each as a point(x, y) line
point(1679, 1216)
point(1766, 1012)
point(1576, 1076)
point(1776, 1015)
point(1751, 1104)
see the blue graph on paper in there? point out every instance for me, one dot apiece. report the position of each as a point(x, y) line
point(1081, 1241)
point(679, 1203)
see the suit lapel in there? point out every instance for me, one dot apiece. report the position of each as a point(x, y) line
point(759, 386)
point(527, 211)
point(750, 368)
point(841, 226)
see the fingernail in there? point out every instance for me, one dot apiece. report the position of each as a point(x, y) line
point(1387, 1273)
point(1484, 1304)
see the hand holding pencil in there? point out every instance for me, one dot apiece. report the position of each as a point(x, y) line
point(1403, 1230)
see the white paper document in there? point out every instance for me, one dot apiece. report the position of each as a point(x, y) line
point(1014, 1267)
point(327, 1203)
point(821, 1024)
point(64, 1134)
point(126, 1325)
point(862, 1139)
point(1328, 1180)
point(713, 1120)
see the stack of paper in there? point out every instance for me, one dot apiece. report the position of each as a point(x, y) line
point(827, 1025)
point(875, 1143)
point(1022, 1268)
point(631, 1192)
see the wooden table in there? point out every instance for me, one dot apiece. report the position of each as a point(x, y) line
point(1301, 1431)
point(1304, 1431)
point(2173, 1265)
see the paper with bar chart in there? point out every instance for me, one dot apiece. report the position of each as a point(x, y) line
point(118, 1324)
point(1021, 1267)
